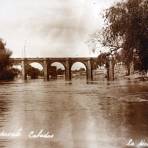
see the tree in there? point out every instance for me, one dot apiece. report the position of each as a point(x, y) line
point(7, 72)
point(60, 71)
point(102, 58)
point(33, 72)
point(127, 28)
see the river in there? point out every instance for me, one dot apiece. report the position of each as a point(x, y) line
point(77, 114)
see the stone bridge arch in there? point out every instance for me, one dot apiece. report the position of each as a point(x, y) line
point(38, 62)
point(78, 65)
point(66, 62)
point(56, 64)
point(88, 64)
point(50, 62)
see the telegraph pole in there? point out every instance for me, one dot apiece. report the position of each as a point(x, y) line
point(24, 50)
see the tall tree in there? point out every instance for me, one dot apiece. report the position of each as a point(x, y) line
point(127, 28)
point(6, 70)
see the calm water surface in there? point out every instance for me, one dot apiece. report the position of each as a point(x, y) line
point(80, 115)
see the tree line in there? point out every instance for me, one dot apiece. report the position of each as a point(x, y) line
point(126, 33)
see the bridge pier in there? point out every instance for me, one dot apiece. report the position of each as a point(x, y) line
point(111, 70)
point(89, 71)
point(45, 68)
point(67, 62)
point(24, 74)
point(67, 70)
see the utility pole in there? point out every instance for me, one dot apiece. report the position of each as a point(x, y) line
point(24, 49)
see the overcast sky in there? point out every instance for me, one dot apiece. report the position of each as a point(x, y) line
point(50, 28)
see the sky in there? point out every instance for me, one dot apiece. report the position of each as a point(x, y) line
point(50, 28)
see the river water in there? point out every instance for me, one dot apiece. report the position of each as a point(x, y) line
point(77, 114)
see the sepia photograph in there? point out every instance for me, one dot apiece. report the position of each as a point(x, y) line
point(74, 74)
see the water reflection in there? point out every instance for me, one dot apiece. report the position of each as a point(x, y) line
point(4, 112)
point(98, 114)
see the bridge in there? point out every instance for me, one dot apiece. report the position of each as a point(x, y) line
point(89, 62)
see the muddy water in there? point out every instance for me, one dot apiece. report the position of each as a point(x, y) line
point(75, 115)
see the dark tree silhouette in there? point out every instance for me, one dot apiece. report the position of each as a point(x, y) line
point(103, 58)
point(127, 28)
point(34, 73)
point(60, 71)
point(7, 72)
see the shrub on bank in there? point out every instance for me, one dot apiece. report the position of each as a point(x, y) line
point(7, 72)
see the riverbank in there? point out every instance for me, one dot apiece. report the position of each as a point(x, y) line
point(137, 76)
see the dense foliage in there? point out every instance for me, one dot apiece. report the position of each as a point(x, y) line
point(127, 28)
point(102, 59)
point(7, 72)
point(33, 72)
